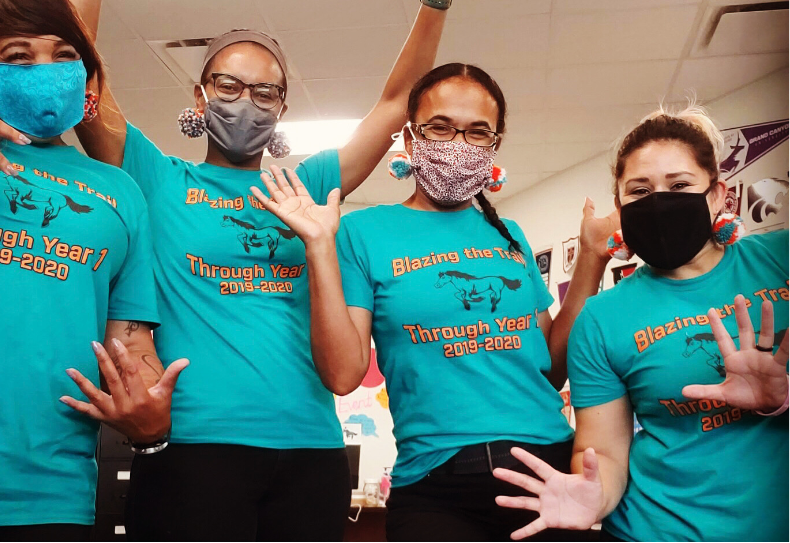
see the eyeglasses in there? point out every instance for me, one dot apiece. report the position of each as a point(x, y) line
point(263, 95)
point(443, 132)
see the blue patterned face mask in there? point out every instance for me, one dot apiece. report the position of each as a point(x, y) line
point(42, 100)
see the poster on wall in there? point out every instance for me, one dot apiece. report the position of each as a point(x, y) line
point(757, 178)
point(745, 144)
point(562, 289)
point(621, 272)
point(543, 260)
point(570, 252)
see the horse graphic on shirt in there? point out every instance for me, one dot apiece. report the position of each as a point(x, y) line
point(473, 289)
point(705, 342)
point(251, 236)
point(23, 193)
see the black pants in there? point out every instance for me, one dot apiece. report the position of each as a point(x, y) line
point(46, 532)
point(238, 493)
point(445, 506)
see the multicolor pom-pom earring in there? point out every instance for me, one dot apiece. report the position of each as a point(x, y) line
point(91, 107)
point(399, 166)
point(192, 122)
point(617, 248)
point(498, 179)
point(728, 228)
point(278, 145)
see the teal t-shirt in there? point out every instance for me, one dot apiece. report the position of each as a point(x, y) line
point(456, 331)
point(699, 470)
point(232, 291)
point(75, 251)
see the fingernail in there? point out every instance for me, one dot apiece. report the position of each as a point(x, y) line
point(10, 170)
point(24, 139)
point(70, 372)
point(63, 400)
point(96, 346)
point(116, 343)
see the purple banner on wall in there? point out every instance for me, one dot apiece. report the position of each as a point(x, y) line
point(745, 144)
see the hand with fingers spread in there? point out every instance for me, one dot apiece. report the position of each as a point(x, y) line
point(755, 377)
point(291, 203)
point(14, 136)
point(595, 231)
point(572, 502)
point(140, 413)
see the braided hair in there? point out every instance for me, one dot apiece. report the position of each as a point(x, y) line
point(472, 73)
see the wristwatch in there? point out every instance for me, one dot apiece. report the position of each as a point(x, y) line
point(438, 4)
point(150, 448)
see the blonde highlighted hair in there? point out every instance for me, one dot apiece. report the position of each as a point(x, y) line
point(691, 126)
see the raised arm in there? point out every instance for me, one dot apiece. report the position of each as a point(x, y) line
point(599, 473)
point(373, 137)
point(590, 267)
point(340, 335)
point(104, 138)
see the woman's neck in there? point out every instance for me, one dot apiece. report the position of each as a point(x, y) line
point(420, 201)
point(707, 259)
point(215, 157)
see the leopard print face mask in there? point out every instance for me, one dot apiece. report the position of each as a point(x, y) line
point(451, 172)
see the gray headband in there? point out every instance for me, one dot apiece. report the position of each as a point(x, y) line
point(236, 36)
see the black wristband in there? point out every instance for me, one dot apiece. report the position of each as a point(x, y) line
point(438, 4)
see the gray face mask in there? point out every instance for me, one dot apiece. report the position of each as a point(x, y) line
point(240, 129)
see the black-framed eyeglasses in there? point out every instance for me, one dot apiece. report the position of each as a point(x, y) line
point(263, 95)
point(444, 132)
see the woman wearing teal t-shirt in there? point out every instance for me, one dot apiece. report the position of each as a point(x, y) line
point(458, 310)
point(256, 446)
point(75, 264)
point(710, 463)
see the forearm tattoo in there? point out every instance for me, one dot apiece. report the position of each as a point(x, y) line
point(131, 327)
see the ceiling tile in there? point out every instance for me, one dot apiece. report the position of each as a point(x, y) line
point(520, 159)
point(524, 88)
point(560, 156)
point(348, 98)
point(601, 123)
point(601, 5)
point(609, 84)
point(136, 105)
point(363, 52)
point(523, 127)
point(713, 77)
point(300, 107)
point(132, 65)
point(517, 43)
point(640, 35)
point(747, 33)
point(324, 14)
point(111, 27)
point(184, 19)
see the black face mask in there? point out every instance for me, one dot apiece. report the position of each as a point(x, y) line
point(667, 229)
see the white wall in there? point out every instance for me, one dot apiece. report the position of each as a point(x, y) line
point(550, 211)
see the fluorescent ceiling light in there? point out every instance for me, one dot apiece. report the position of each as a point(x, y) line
point(310, 137)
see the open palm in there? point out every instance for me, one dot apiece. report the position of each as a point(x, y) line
point(756, 379)
point(561, 500)
point(292, 204)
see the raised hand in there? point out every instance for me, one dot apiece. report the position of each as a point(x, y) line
point(756, 379)
point(595, 231)
point(291, 203)
point(563, 501)
point(15, 136)
point(140, 413)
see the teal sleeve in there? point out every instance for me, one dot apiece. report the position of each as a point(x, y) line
point(132, 290)
point(145, 163)
point(593, 380)
point(544, 297)
point(775, 243)
point(320, 173)
point(354, 268)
